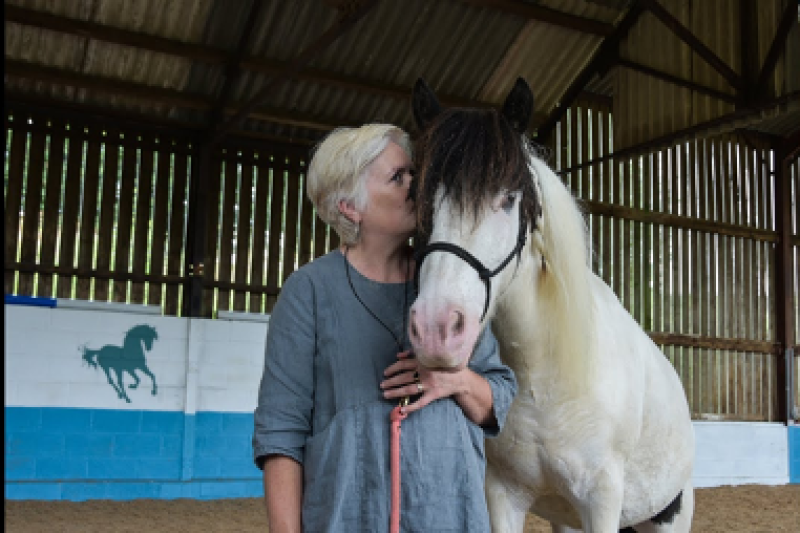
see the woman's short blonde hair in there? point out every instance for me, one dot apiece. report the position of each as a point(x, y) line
point(338, 171)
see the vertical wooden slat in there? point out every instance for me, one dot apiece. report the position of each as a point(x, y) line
point(32, 214)
point(141, 234)
point(306, 223)
point(701, 279)
point(686, 294)
point(13, 198)
point(574, 149)
point(226, 231)
point(596, 188)
point(675, 255)
point(88, 231)
point(278, 178)
point(160, 220)
point(212, 230)
point(125, 220)
point(697, 268)
point(292, 215)
point(637, 297)
point(243, 231)
point(727, 258)
point(177, 228)
point(605, 168)
point(585, 131)
point(715, 299)
point(71, 212)
point(659, 181)
point(259, 253)
point(108, 206)
point(320, 236)
point(52, 207)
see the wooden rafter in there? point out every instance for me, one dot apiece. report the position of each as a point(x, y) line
point(675, 80)
point(606, 54)
point(233, 65)
point(169, 97)
point(686, 35)
point(547, 15)
point(788, 18)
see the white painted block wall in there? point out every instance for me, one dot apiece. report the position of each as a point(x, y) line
point(215, 365)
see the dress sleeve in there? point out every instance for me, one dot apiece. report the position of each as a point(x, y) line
point(286, 395)
point(486, 362)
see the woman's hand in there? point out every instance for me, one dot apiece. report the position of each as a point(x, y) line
point(407, 377)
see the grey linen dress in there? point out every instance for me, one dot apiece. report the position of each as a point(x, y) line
point(320, 403)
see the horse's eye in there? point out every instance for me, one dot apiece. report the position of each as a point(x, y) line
point(508, 203)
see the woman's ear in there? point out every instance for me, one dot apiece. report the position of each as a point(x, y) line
point(348, 209)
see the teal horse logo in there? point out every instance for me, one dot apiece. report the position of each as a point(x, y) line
point(126, 358)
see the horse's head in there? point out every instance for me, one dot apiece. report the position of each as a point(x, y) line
point(477, 201)
point(142, 333)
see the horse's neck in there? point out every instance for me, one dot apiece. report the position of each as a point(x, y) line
point(133, 343)
point(534, 342)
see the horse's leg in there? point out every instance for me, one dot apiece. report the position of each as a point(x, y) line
point(120, 393)
point(121, 385)
point(135, 377)
point(678, 519)
point(602, 506)
point(146, 370)
point(506, 515)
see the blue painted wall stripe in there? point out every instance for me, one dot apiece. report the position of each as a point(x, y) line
point(794, 454)
point(30, 300)
point(79, 454)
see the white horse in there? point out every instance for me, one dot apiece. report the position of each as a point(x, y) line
point(599, 437)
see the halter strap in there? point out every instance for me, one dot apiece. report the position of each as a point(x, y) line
point(484, 273)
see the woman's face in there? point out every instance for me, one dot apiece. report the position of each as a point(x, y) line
point(389, 211)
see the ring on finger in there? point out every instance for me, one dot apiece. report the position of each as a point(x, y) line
point(420, 387)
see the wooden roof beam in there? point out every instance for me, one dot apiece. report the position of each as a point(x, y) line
point(233, 65)
point(675, 80)
point(788, 18)
point(546, 15)
point(685, 35)
point(604, 56)
point(158, 95)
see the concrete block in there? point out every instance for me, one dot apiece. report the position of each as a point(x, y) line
point(90, 445)
point(112, 468)
point(33, 491)
point(20, 468)
point(131, 491)
point(66, 420)
point(22, 419)
point(158, 469)
point(61, 468)
point(116, 421)
point(162, 422)
point(137, 445)
point(80, 491)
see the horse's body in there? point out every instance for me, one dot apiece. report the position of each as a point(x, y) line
point(126, 358)
point(599, 436)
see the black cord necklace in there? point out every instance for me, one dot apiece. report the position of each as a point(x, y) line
point(405, 302)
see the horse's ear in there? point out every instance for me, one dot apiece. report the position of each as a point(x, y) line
point(518, 107)
point(424, 104)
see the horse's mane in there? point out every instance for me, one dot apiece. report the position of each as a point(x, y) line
point(562, 241)
point(474, 154)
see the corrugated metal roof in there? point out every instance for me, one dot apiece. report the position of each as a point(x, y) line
point(466, 51)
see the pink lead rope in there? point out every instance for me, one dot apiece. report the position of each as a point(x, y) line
point(397, 416)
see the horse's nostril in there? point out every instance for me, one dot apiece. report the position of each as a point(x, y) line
point(414, 332)
point(458, 325)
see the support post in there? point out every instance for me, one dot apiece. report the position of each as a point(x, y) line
point(784, 284)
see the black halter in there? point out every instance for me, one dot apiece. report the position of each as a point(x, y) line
point(484, 273)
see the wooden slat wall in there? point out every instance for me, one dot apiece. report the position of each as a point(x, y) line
point(684, 236)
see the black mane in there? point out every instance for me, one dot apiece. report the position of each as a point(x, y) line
point(474, 154)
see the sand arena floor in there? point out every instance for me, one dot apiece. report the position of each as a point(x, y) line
point(743, 509)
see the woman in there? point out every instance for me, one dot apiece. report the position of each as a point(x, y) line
point(337, 362)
